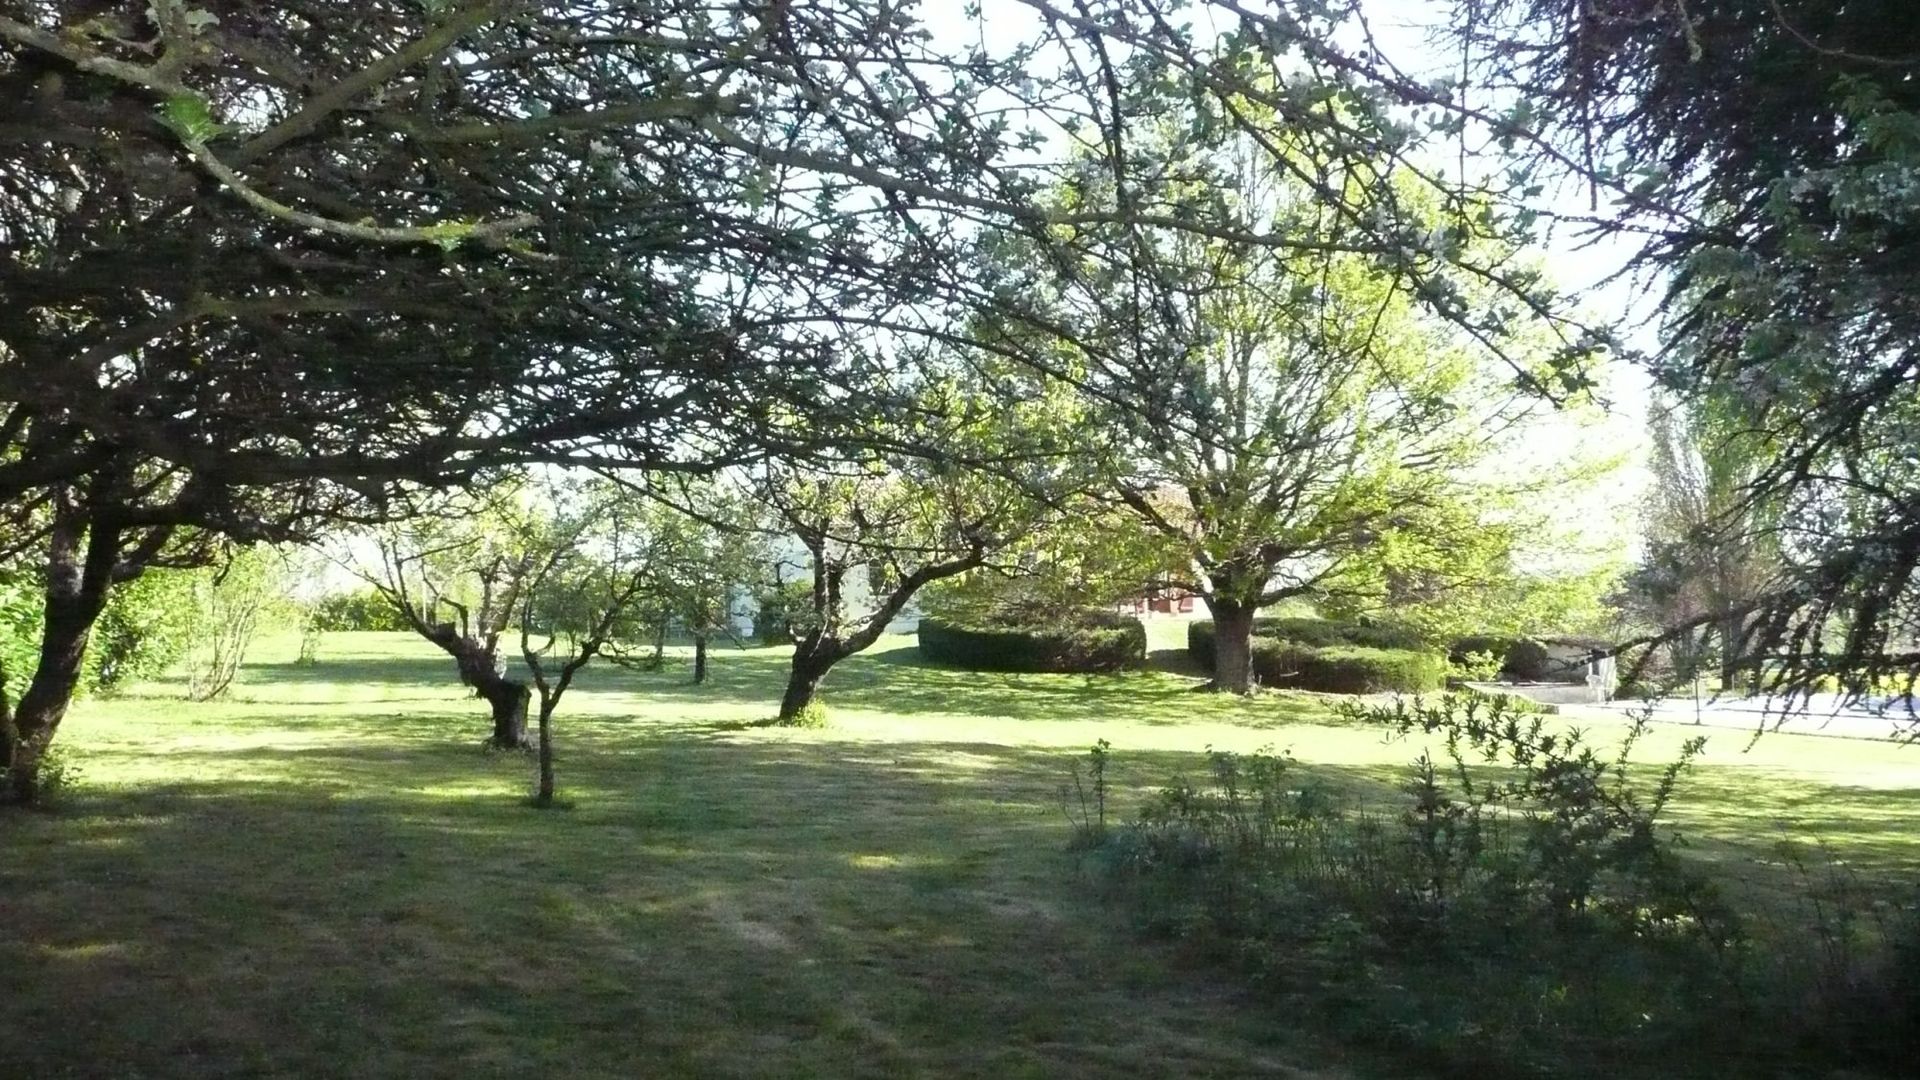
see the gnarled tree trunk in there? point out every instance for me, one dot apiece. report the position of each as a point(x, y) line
point(813, 657)
point(699, 658)
point(480, 670)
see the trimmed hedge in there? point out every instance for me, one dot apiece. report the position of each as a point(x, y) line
point(1095, 642)
point(1330, 656)
point(1310, 632)
point(1347, 669)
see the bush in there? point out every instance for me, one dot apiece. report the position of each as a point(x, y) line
point(1521, 659)
point(363, 610)
point(1095, 641)
point(1308, 631)
point(1331, 657)
point(780, 612)
point(1347, 669)
point(1519, 924)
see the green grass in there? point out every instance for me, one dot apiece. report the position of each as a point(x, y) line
point(324, 875)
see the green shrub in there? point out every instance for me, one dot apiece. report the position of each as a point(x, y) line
point(1331, 657)
point(1096, 641)
point(811, 715)
point(1308, 631)
point(1347, 669)
point(780, 612)
point(1521, 659)
point(363, 610)
point(1504, 925)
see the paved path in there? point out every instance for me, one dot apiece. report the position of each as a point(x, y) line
point(1823, 714)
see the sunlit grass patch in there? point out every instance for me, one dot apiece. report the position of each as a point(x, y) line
point(328, 876)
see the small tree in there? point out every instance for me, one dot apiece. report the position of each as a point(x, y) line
point(709, 552)
point(458, 577)
point(599, 567)
point(230, 606)
point(898, 523)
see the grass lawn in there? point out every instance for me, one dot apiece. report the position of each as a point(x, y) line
point(324, 875)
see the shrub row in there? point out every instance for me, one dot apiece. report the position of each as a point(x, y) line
point(1092, 642)
point(1347, 669)
point(1330, 656)
point(1310, 632)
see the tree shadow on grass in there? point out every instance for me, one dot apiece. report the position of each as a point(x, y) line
point(713, 907)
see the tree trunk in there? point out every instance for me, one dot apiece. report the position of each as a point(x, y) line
point(810, 664)
point(699, 658)
point(480, 670)
point(659, 657)
point(1730, 630)
point(543, 795)
point(1232, 645)
point(76, 593)
point(508, 699)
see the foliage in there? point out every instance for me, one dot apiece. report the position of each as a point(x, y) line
point(780, 612)
point(361, 609)
point(1518, 659)
point(1524, 919)
point(148, 624)
point(1085, 559)
point(229, 607)
point(813, 715)
point(1089, 641)
point(1761, 158)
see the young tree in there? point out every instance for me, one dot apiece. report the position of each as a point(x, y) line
point(600, 562)
point(1712, 549)
point(877, 528)
point(712, 556)
point(228, 606)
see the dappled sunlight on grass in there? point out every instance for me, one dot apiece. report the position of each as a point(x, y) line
point(328, 876)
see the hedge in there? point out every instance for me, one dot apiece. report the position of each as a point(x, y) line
point(1521, 659)
point(1347, 669)
point(1310, 632)
point(1094, 642)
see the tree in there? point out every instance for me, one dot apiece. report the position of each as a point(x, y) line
point(600, 561)
point(1711, 548)
point(228, 607)
point(459, 576)
point(711, 555)
point(1289, 423)
point(1761, 158)
point(979, 479)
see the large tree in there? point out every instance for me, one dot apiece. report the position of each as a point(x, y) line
point(1283, 418)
